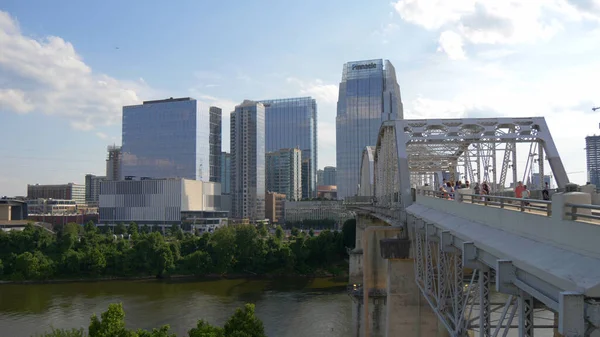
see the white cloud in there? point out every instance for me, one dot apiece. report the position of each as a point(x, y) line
point(48, 76)
point(14, 100)
point(102, 135)
point(452, 44)
point(497, 22)
point(325, 93)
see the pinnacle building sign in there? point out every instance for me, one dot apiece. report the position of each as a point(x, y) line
point(364, 66)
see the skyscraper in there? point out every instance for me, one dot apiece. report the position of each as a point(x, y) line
point(592, 154)
point(329, 175)
point(215, 144)
point(369, 94)
point(114, 165)
point(248, 161)
point(292, 123)
point(283, 173)
point(225, 173)
point(171, 138)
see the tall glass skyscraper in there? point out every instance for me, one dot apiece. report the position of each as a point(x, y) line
point(283, 172)
point(292, 123)
point(248, 161)
point(171, 138)
point(369, 95)
point(225, 173)
point(215, 144)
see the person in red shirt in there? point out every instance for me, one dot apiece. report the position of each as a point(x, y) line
point(519, 190)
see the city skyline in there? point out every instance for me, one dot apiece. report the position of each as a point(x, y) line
point(62, 88)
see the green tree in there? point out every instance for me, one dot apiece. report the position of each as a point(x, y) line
point(164, 331)
point(311, 233)
point(203, 329)
point(34, 266)
point(133, 229)
point(64, 333)
point(111, 324)
point(198, 263)
point(263, 230)
point(120, 229)
point(90, 227)
point(279, 233)
point(244, 323)
point(295, 231)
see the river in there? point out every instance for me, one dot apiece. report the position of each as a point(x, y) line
point(288, 308)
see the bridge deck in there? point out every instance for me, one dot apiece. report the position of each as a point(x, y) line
point(567, 270)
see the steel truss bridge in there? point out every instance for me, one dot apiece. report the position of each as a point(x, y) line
point(462, 249)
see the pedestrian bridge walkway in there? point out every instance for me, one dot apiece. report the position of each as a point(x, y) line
point(539, 253)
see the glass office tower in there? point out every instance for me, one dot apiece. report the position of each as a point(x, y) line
point(283, 173)
point(215, 144)
point(369, 94)
point(592, 154)
point(169, 138)
point(225, 173)
point(248, 161)
point(292, 123)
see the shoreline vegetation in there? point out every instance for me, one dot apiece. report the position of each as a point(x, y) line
point(243, 323)
point(208, 277)
point(83, 254)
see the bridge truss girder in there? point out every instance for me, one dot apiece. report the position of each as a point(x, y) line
point(440, 261)
point(438, 145)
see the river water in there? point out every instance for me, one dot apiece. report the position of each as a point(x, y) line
point(288, 308)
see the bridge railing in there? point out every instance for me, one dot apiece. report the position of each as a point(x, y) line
point(583, 211)
point(519, 204)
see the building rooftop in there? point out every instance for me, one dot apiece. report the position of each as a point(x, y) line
point(169, 100)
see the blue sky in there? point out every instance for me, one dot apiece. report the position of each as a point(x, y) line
point(63, 80)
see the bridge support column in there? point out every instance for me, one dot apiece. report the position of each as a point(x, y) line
point(407, 312)
point(375, 279)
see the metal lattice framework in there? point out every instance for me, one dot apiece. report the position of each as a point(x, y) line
point(463, 305)
point(387, 182)
point(472, 146)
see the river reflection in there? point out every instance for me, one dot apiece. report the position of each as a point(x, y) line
point(289, 308)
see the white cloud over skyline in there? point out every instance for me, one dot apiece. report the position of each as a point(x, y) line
point(483, 58)
point(49, 76)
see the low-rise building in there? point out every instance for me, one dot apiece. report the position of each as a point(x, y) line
point(12, 210)
point(68, 191)
point(92, 189)
point(52, 207)
point(328, 192)
point(274, 206)
point(298, 211)
point(161, 202)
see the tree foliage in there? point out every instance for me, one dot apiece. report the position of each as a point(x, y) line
point(111, 323)
point(76, 252)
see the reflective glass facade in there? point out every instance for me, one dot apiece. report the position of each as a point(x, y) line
point(215, 144)
point(248, 161)
point(170, 138)
point(292, 123)
point(283, 173)
point(369, 94)
point(592, 154)
point(225, 173)
point(329, 175)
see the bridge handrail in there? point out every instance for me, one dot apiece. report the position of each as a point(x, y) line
point(575, 214)
point(493, 200)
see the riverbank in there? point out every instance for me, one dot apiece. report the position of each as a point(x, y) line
point(340, 277)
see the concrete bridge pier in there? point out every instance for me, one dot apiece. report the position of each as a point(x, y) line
point(408, 314)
